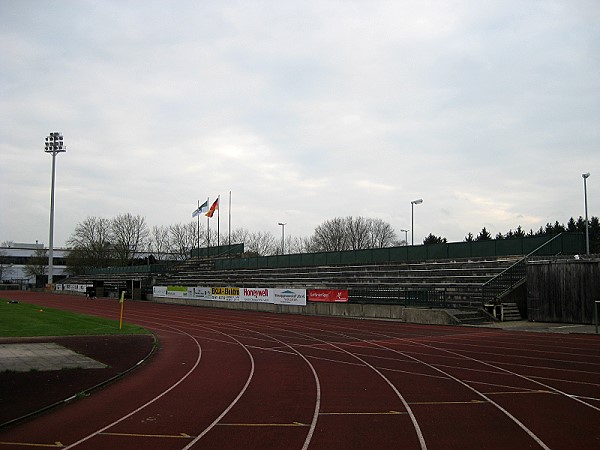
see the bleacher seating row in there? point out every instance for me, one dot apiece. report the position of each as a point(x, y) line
point(461, 280)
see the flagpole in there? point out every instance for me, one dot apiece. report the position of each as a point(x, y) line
point(229, 221)
point(198, 236)
point(218, 221)
point(208, 230)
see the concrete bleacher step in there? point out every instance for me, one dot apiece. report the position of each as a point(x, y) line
point(470, 316)
point(510, 311)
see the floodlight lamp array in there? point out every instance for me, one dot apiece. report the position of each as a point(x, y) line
point(54, 143)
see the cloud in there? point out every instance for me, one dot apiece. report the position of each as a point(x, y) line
point(304, 111)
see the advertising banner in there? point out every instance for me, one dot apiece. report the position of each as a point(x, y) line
point(159, 291)
point(200, 293)
point(177, 291)
point(328, 295)
point(288, 296)
point(234, 294)
point(255, 295)
point(225, 294)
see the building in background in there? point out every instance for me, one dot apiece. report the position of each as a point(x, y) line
point(16, 257)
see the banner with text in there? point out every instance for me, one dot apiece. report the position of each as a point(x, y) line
point(328, 295)
point(234, 294)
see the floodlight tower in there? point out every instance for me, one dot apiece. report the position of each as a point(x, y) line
point(54, 146)
point(412, 215)
point(587, 225)
point(282, 236)
point(405, 236)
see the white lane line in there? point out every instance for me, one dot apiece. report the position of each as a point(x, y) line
point(551, 388)
point(313, 424)
point(188, 373)
point(233, 402)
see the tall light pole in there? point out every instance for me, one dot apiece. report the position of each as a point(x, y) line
point(405, 236)
point(54, 146)
point(282, 237)
point(587, 225)
point(412, 217)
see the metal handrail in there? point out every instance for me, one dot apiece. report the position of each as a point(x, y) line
point(510, 277)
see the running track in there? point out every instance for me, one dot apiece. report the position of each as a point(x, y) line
point(227, 379)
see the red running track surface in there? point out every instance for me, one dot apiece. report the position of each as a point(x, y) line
point(226, 379)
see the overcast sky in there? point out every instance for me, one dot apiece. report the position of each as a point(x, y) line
point(305, 110)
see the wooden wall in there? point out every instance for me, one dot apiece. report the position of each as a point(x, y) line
point(563, 290)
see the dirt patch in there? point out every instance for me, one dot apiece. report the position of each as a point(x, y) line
point(23, 393)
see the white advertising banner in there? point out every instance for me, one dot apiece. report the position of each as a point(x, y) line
point(296, 297)
point(289, 296)
point(72, 287)
point(255, 295)
point(177, 291)
point(159, 291)
point(200, 293)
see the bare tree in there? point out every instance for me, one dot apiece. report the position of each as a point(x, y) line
point(258, 243)
point(330, 236)
point(90, 244)
point(182, 238)
point(358, 232)
point(382, 234)
point(297, 244)
point(158, 242)
point(129, 236)
point(351, 233)
point(37, 265)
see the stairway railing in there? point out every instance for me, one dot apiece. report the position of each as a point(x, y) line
point(509, 278)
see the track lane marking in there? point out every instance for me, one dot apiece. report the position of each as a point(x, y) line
point(135, 411)
point(57, 444)
point(172, 436)
point(382, 413)
point(293, 424)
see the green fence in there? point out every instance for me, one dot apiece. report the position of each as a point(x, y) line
point(220, 250)
point(566, 244)
point(152, 268)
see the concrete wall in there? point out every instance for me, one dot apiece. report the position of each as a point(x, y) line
point(390, 312)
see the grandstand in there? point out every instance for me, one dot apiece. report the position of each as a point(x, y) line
point(471, 287)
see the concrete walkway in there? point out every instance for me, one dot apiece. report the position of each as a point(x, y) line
point(546, 327)
point(41, 357)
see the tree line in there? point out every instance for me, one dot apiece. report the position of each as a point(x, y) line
point(100, 242)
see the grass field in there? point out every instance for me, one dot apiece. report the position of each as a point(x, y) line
point(22, 319)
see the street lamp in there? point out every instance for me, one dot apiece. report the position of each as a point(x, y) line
point(405, 236)
point(54, 146)
point(282, 237)
point(587, 225)
point(412, 207)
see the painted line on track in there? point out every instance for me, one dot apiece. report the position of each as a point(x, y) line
point(171, 436)
point(548, 387)
point(57, 444)
point(488, 399)
point(165, 392)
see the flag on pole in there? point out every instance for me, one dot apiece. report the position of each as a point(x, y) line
point(213, 208)
point(202, 208)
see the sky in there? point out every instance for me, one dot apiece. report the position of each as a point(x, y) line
point(305, 111)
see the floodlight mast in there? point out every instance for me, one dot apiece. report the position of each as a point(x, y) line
point(54, 146)
point(282, 236)
point(585, 176)
point(412, 217)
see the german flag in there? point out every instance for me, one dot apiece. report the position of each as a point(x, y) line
point(213, 208)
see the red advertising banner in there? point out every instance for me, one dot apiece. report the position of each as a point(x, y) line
point(328, 295)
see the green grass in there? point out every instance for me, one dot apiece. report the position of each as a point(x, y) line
point(23, 319)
